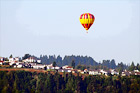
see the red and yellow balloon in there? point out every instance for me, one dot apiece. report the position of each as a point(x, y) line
point(87, 20)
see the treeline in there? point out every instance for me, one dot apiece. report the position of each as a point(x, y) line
point(32, 82)
point(67, 60)
point(79, 60)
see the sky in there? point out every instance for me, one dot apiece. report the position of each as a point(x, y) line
point(52, 27)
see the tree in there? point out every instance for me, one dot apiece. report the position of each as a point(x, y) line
point(45, 68)
point(112, 64)
point(54, 64)
point(120, 67)
point(6, 59)
point(26, 56)
point(132, 67)
point(137, 67)
point(81, 67)
point(73, 64)
point(11, 56)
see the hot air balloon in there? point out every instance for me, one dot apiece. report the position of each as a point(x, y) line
point(87, 20)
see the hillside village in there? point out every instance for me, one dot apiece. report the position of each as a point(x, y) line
point(35, 63)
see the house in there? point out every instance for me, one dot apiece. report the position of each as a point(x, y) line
point(11, 63)
point(64, 66)
point(82, 72)
point(103, 72)
point(126, 73)
point(38, 61)
point(39, 66)
point(74, 71)
point(50, 66)
point(32, 64)
point(64, 70)
point(17, 63)
point(30, 59)
point(79, 70)
point(11, 59)
point(1, 60)
point(86, 71)
point(17, 59)
point(136, 70)
point(67, 67)
point(114, 72)
point(1, 63)
point(94, 72)
point(20, 65)
point(131, 72)
point(55, 67)
point(137, 73)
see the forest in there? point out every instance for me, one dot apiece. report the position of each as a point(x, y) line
point(32, 82)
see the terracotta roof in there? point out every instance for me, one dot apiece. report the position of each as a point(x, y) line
point(137, 73)
point(68, 67)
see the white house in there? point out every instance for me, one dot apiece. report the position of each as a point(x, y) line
point(1, 58)
point(1, 63)
point(113, 72)
point(32, 64)
point(11, 63)
point(38, 61)
point(64, 66)
point(19, 65)
point(11, 59)
point(31, 60)
point(126, 73)
point(82, 72)
point(94, 72)
point(39, 66)
point(55, 67)
point(64, 70)
point(103, 72)
point(136, 70)
point(75, 71)
point(17, 59)
point(51, 67)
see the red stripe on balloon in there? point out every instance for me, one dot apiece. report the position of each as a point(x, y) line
point(86, 25)
point(81, 16)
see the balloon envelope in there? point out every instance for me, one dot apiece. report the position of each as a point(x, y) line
point(87, 20)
